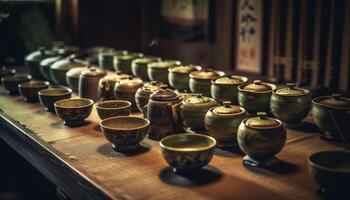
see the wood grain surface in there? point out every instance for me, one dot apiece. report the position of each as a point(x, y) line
point(145, 175)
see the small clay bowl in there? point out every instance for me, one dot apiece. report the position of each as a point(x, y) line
point(187, 152)
point(74, 111)
point(331, 170)
point(30, 89)
point(11, 82)
point(125, 132)
point(49, 96)
point(113, 108)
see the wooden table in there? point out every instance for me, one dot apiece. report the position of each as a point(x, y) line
point(83, 165)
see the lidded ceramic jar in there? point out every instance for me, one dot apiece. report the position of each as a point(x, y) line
point(139, 66)
point(88, 83)
point(193, 110)
point(126, 89)
point(225, 88)
point(179, 78)
point(200, 81)
point(261, 138)
point(143, 94)
point(123, 62)
point(332, 116)
point(59, 69)
point(105, 59)
point(222, 123)
point(290, 104)
point(6, 72)
point(163, 113)
point(106, 85)
point(46, 64)
point(32, 61)
point(158, 71)
point(72, 78)
point(255, 97)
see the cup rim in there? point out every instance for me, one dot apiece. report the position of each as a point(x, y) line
point(128, 104)
point(67, 91)
point(90, 103)
point(312, 162)
point(123, 129)
point(162, 145)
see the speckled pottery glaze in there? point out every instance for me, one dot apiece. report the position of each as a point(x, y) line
point(143, 94)
point(225, 88)
point(122, 63)
point(74, 111)
point(290, 104)
point(30, 89)
point(49, 96)
point(261, 138)
point(179, 78)
point(222, 123)
point(107, 83)
point(11, 82)
point(113, 108)
point(158, 71)
point(255, 97)
point(139, 66)
point(126, 89)
point(125, 132)
point(187, 152)
point(200, 81)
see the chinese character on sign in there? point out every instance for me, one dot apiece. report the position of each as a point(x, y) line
point(248, 20)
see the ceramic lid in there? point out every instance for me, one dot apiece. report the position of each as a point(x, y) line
point(164, 94)
point(206, 74)
point(116, 76)
point(94, 72)
point(75, 72)
point(49, 61)
point(66, 50)
point(229, 79)
point(185, 69)
point(39, 55)
point(128, 57)
point(152, 86)
point(336, 100)
point(67, 64)
point(164, 64)
point(198, 99)
point(262, 121)
point(111, 54)
point(146, 60)
point(227, 108)
point(258, 86)
point(291, 90)
point(131, 81)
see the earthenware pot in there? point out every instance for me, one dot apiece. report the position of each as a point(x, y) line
point(88, 83)
point(49, 96)
point(225, 88)
point(123, 62)
point(126, 89)
point(332, 116)
point(106, 85)
point(125, 132)
point(179, 78)
point(11, 82)
point(290, 104)
point(74, 111)
point(59, 69)
point(200, 81)
point(139, 66)
point(45, 66)
point(72, 78)
point(162, 111)
point(261, 138)
point(105, 59)
point(90, 55)
point(331, 170)
point(143, 94)
point(113, 108)
point(158, 71)
point(193, 110)
point(255, 97)
point(187, 152)
point(32, 61)
point(222, 123)
point(30, 89)
point(6, 72)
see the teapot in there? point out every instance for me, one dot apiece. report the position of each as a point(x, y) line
point(88, 83)
point(163, 113)
point(107, 83)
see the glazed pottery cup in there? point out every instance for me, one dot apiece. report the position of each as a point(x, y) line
point(125, 132)
point(187, 152)
point(30, 89)
point(113, 108)
point(74, 111)
point(49, 96)
point(11, 82)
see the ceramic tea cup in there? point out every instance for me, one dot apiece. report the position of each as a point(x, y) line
point(112, 108)
point(11, 82)
point(74, 111)
point(49, 96)
point(30, 89)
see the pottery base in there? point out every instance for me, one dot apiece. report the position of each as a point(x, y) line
point(74, 123)
point(125, 148)
point(247, 160)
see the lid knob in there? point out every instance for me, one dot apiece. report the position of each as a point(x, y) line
point(153, 83)
point(92, 69)
point(261, 115)
point(118, 72)
point(164, 87)
point(336, 96)
point(227, 104)
point(291, 85)
point(257, 82)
